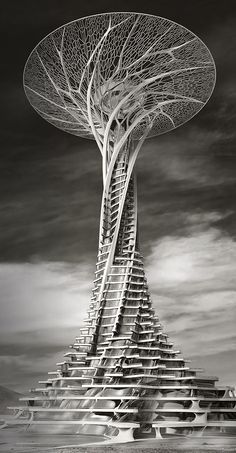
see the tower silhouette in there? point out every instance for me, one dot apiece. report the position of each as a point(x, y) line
point(120, 78)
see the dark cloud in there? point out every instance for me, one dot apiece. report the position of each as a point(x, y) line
point(27, 356)
point(48, 209)
point(225, 362)
point(50, 192)
point(23, 372)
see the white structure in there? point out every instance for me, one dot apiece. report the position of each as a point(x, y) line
point(120, 78)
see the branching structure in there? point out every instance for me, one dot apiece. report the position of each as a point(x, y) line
point(120, 78)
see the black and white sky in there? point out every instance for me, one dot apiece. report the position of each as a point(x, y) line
point(50, 191)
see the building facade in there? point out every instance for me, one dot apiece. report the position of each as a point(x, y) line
point(121, 78)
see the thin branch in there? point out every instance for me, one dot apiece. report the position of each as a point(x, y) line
point(125, 44)
point(90, 118)
point(50, 78)
point(169, 117)
point(43, 97)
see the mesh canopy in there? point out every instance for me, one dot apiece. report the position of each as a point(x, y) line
point(149, 70)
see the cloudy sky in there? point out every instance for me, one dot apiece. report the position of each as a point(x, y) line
point(50, 192)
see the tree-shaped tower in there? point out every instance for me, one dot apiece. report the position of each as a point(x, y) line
point(120, 78)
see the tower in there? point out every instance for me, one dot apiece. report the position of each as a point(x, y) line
point(120, 78)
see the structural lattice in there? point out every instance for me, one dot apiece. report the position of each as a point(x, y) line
point(119, 78)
